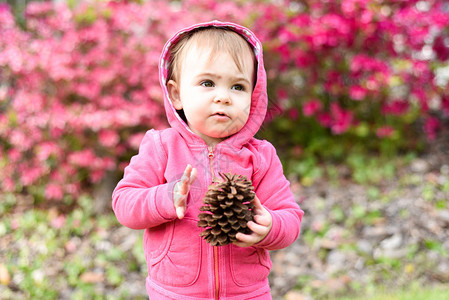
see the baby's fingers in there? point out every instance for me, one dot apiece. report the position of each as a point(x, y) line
point(260, 230)
point(185, 180)
point(246, 240)
point(258, 207)
point(180, 204)
point(261, 215)
point(264, 219)
point(182, 189)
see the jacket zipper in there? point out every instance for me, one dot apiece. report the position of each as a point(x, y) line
point(216, 271)
point(211, 161)
point(215, 248)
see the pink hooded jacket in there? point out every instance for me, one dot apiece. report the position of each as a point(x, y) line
point(181, 265)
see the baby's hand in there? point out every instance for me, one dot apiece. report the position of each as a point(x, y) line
point(181, 190)
point(260, 227)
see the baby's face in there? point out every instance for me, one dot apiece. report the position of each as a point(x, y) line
point(214, 94)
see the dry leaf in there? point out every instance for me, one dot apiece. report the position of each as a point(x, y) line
point(5, 278)
point(294, 295)
point(92, 277)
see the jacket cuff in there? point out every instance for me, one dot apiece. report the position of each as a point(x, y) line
point(165, 206)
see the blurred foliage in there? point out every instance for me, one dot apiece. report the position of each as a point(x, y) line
point(377, 254)
point(52, 254)
point(49, 254)
point(416, 291)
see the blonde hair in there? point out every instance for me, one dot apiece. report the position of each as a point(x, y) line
point(218, 40)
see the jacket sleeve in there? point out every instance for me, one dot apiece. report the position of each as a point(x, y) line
point(142, 199)
point(273, 190)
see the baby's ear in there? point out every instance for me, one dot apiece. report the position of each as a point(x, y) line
point(173, 92)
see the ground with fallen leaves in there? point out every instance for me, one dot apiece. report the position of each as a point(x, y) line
point(355, 237)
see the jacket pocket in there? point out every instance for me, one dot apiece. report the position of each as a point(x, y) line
point(249, 265)
point(179, 262)
point(156, 242)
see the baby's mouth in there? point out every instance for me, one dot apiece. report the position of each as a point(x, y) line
point(220, 114)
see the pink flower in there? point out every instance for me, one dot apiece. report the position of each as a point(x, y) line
point(109, 138)
point(58, 222)
point(107, 163)
point(29, 175)
point(293, 114)
point(56, 132)
point(445, 105)
point(283, 50)
point(67, 170)
point(303, 59)
point(54, 192)
point(441, 48)
point(384, 132)
point(341, 119)
point(123, 165)
point(45, 150)
point(282, 94)
point(15, 223)
point(8, 185)
point(311, 107)
point(365, 63)
point(72, 189)
point(96, 176)
point(431, 127)
point(285, 35)
point(90, 90)
point(334, 82)
point(300, 20)
point(317, 226)
point(325, 119)
point(83, 158)
point(421, 95)
point(135, 140)
point(357, 92)
point(38, 8)
point(19, 139)
point(396, 107)
point(6, 18)
point(70, 246)
point(14, 155)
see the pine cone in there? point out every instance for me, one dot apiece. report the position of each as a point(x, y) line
point(227, 210)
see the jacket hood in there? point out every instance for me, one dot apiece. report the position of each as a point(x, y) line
point(258, 99)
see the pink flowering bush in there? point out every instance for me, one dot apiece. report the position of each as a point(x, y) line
point(79, 84)
point(357, 71)
point(79, 87)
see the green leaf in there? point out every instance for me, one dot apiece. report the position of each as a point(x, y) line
point(113, 275)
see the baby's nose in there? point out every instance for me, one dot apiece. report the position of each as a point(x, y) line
point(222, 97)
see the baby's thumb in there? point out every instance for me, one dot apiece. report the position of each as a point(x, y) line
point(193, 175)
point(180, 211)
point(256, 202)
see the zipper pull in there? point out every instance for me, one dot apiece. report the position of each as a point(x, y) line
point(211, 152)
point(211, 165)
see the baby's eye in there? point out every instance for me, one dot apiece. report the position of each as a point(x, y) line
point(207, 83)
point(238, 87)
